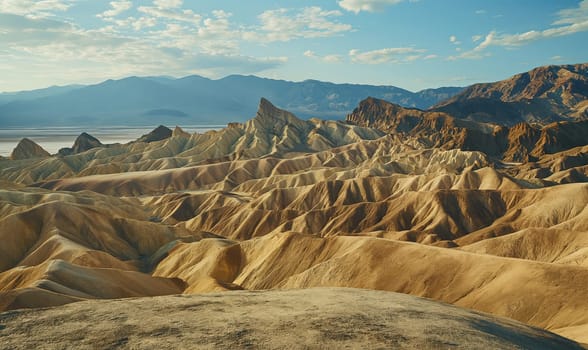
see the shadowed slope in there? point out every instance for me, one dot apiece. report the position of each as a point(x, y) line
point(518, 142)
point(63, 247)
point(544, 94)
point(58, 282)
point(481, 282)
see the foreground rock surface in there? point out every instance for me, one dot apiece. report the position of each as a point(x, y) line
point(292, 319)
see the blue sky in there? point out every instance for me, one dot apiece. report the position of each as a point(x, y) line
point(413, 44)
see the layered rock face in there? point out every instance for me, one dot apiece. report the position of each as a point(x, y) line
point(521, 142)
point(545, 94)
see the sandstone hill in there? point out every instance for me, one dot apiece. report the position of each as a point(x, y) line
point(279, 202)
point(26, 149)
point(545, 94)
point(82, 143)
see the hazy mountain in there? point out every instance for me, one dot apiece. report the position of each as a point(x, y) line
point(194, 100)
point(6, 97)
point(544, 94)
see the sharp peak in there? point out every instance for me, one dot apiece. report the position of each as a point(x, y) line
point(264, 102)
point(266, 107)
point(268, 111)
point(85, 135)
point(27, 148)
point(25, 141)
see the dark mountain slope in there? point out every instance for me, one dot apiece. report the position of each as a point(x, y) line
point(544, 94)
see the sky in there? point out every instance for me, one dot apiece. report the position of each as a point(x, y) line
point(412, 44)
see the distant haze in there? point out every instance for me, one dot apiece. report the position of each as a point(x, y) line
point(52, 139)
point(139, 101)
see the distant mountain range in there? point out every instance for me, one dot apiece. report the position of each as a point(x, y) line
point(542, 95)
point(195, 100)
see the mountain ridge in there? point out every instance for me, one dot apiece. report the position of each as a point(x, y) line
point(519, 142)
point(157, 100)
point(544, 94)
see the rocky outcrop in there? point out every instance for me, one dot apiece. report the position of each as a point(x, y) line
point(520, 143)
point(26, 149)
point(545, 94)
point(385, 116)
point(157, 134)
point(83, 143)
point(179, 132)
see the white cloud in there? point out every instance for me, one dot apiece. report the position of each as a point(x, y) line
point(171, 13)
point(480, 12)
point(288, 24)
point(223, 64)
point(216, 35)
point(430, 57)
point(570, 21)
point(217, 26)
point(476, 38)
point(387, 55)
point(161, 37)
point(573, 15)
point(453, 40)
point(136, 23)
point(332, 58)
point(168, 4)
point(327, 58)
point(117, 7)
point(367, 5)
point(38, 8)
point(143, 22)
point(47, 49)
